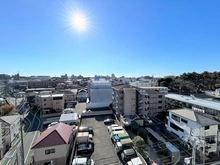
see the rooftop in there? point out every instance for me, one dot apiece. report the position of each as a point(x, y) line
point(197, 117)
point(68, 117)
point(195, 101)
point(56, 135)
point(10, 119)
point(51, 95)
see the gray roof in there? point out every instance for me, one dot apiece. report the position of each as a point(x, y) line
point(119, 87)
point(10, 119)
point(200, 118)
point(68, 117)
point(195, 101)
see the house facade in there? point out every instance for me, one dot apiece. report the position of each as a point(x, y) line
point(194, 127)
point(53, 145)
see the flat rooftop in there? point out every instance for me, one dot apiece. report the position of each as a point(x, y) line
point(195, 101)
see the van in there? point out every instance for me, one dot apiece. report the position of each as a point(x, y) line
point(135, 161)
point(119, 136)
point(127, 155)
point(116, 133)
point(119, 128)
point(123, 144)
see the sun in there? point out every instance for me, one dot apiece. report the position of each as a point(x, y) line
point(77, 18)
point(79, 22)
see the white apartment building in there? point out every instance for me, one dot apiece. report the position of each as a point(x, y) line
point(195, 126)
point(10, 126)
point(99, 93)
point(150, 102)
point(124, 100)
point(142, 83)
point(2, 142)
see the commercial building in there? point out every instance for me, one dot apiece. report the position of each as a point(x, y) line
point(194, 127)
point(99, 93)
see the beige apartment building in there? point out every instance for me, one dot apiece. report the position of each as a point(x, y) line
point(129, 100)
point(51, 104)
point(150, 102)
point(124, 100)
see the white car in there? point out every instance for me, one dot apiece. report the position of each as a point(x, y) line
point(83, 161)
point(52, 124)
point(113, 125)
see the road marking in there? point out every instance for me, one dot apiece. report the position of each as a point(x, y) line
point(13, 154)
point(30, 148)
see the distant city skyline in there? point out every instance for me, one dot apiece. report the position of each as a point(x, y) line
point(127, 38)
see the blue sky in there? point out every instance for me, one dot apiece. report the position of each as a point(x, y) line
point(125, 37)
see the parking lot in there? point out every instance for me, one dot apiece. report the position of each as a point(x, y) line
point(104, 152)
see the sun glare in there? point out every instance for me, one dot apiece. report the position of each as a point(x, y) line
point(79, 22)
point(78, 19)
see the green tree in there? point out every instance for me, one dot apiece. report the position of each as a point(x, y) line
point(139, 143)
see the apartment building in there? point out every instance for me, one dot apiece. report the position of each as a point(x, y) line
point(149, 102)
point(124, 100)
point(2, 142)
point(31, 94)
point(10, 126)
point(51, 105)
point(194, 127)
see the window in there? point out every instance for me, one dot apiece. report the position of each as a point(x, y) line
point(160, 96)
point(206, 127)
point(184, 121)
point(174, 117)
point(176, 127)
point(159, 101)
point(50, 151)
point(57, 102)
point(44, 99)
point(159, 107)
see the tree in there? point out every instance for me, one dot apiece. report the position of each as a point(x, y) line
point(142, 133)
point(6, 109)
point(139, 143)
point(134, 126)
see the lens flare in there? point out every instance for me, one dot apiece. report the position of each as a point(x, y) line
point(78, 19)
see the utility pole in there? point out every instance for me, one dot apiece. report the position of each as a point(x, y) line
point(22, 142)
point(204, 150)
point(193, 154)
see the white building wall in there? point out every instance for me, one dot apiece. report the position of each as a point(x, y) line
point(60, 151)
point(14, 129)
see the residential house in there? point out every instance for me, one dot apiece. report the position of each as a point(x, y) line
point(194, 127)
point(53, 145)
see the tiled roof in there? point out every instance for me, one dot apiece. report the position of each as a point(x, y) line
point(56, 135)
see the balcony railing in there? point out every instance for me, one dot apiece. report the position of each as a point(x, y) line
point(51, 115)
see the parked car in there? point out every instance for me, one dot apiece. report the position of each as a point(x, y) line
point(84, 147)
point(127, 155)
point(83, 161)
point(52, 124)
point(107, 121)
point(86, 129)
